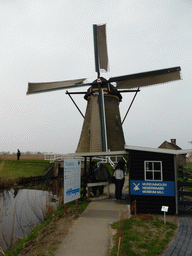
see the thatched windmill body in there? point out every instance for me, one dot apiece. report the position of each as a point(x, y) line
point(102, 126)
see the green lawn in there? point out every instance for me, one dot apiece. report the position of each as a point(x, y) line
point(12, 169)
point(144, 237)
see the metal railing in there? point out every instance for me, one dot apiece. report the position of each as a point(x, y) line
point(108, 159)
point(54, 157)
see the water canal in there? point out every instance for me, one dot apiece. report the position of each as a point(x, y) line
point(21, 210)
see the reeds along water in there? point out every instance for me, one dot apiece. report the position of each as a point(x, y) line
point(7, 183)
point(22, 210)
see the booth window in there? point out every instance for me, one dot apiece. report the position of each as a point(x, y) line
point(153, 170)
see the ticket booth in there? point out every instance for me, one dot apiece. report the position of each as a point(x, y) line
point(153, 178)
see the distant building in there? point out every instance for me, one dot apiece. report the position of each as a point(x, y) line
point(181, 159)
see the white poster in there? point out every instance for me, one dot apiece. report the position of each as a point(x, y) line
point(72, 179)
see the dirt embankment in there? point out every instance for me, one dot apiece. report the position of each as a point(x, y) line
point(49, 238)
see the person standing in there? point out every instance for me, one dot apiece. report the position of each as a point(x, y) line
point(102, 175)
point(122, 163)
point(91, 176)
point(127, 169)
point(119, 178)
point(18, 154)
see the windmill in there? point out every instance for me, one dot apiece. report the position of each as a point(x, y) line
point(102, 126)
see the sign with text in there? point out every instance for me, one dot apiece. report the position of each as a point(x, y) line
point(152, 188)
point(72, 179)
point(164, 208)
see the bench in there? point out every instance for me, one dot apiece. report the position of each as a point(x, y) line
point(97, 184)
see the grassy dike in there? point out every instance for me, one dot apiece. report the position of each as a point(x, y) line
point(13, 169)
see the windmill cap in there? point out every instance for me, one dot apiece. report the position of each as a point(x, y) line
point(106, 86)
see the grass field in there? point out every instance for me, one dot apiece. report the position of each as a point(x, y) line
point(12, 169)
point(22, 157)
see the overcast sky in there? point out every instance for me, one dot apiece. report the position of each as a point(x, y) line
point(48, 40)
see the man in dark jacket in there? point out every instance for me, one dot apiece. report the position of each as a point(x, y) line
point(102, 174)
point(18, 154)
point(91, 176)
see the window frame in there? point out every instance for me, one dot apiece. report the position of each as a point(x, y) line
point(153, 170)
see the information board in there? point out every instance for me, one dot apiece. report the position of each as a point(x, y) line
point(72, 179)
point(152, 188)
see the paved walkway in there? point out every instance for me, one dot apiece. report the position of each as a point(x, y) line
point(91, 233)
point(182, 244)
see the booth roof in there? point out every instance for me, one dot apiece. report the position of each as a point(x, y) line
point(159, 150)
point(129, 148)
point(92, 154)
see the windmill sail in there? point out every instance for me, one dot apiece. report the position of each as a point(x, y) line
point(53, 86)
point(147, 78)
point(100, 48)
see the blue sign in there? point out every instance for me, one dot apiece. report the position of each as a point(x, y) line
point(152, 188)
point(72, 191)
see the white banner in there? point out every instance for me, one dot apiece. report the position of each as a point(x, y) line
point(72, 179)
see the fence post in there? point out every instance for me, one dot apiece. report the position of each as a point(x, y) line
point(77, 202)
point(65, 208)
